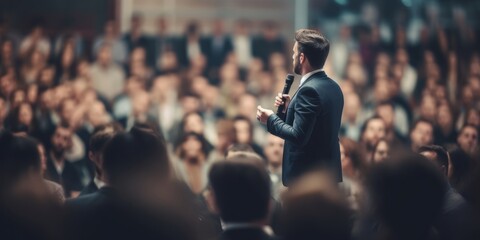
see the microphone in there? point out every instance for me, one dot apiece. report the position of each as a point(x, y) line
point(286, 89)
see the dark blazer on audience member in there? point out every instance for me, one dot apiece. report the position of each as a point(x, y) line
point(311, 128)
point(90, 188)
point(250, 233)
point(69, 178)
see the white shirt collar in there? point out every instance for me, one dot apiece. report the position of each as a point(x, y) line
point(306, 76)
point(99, 183)
point(230, 226)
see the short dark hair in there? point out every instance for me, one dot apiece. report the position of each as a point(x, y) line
point(421, 120)
point(203, 141)
point(467, 126)
point(18, 155)
point(101, 135)
point(131, 153)
point(441, 154)
point(408, 193)
point(241, 187)
point(239, 147)
point(365, 124)
point(314, 45)
point(249, 122)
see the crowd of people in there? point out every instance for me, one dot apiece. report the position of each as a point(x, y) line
point(155, 136)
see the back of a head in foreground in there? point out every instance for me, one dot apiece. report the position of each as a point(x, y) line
point(408, 195)
point(135, 155)
point(314, 208)
point(18, 157)
point(241, 188)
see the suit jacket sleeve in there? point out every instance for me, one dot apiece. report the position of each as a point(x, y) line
point(306, 111)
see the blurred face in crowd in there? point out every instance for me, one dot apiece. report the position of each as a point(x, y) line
point(273, 150)
point(190, 104)
point(25, 114)
point(421, 135)
point(192, 148)
point(444, 116)
point(138, 55)
point(43, 158)
point(61, 140)
point(352, 106)
point(382, 90)
point(136, 24)
point(18, 97)
point(105, 55)
point(7, 84)
point(68, 107)
point(243, 131)
point(467, 96)
point(32, 93)
point(428, 107)
point(37, 58)
point(140, 103)
point(381, 151)
point(386, 112)
point(110, 28)
point(96, 114)
point(3, 110)
point(473, 117)
point(194, 123)
point(474, 83)
point(247, 106)
point(374, 131)
point(46, 76)
point(345, 159)
point(68, 55)
point(468, 139)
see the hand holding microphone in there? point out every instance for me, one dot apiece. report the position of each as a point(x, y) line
point(281, 101)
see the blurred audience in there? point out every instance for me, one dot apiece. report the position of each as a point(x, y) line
point(187, 101)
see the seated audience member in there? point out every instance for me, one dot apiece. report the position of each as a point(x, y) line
point(244, 132)
point(421, 134)
point(314, 208)
point(192, 165)
point(467, 139)
point(381, 151)
point(353, 165)
point(28, 209)
point(108, 78)
point(137, 202)
point(455, 221)
point(100, 137)
point(407, 195)
point(55, 188)
point(240, 194)
point(445, 132)
point(59, 169)
point(373, 130)
point(273, 150)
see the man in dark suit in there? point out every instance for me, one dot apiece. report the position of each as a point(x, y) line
point(313, 114)
point(133, 204)
point(100, 137)
point(240, 193)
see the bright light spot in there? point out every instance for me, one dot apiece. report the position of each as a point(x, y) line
point(407, 3)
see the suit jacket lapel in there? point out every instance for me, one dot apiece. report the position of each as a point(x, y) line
point(319, 74)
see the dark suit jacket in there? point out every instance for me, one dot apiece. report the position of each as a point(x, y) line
point(245, 233)
point(90, 188)
point(311, 128)
point(69, 179)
